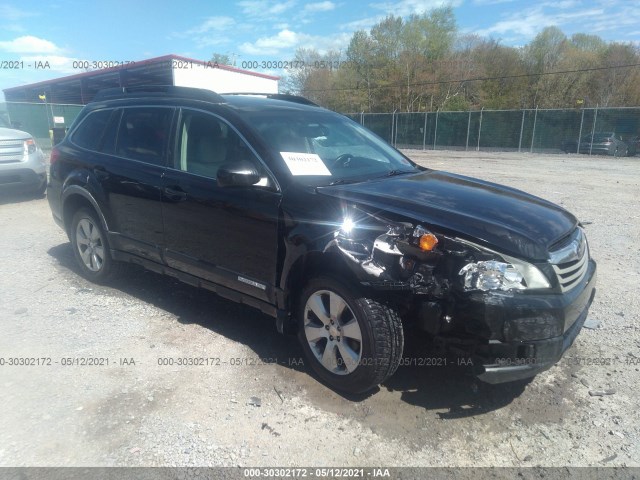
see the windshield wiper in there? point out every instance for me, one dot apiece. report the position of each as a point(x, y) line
point(393, 173)
point(344, 181)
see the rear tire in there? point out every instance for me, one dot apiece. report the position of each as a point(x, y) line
point(91, 247)
point(352, 342)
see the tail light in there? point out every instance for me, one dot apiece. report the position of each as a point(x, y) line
point(55, 155)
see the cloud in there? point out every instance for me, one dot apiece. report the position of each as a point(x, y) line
point(404, 8)
point(212, 31)
point(14, 27)
point(262, 8)
point(600, 16)
point(57, 63)
point(284, 39)
point(213, 24)
point(12, 14)
point(319, 7)
point(29, 44)
point(287, 40)
point(490, 2)
point(529, 22)
point(362, 24)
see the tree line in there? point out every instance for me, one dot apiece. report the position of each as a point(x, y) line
point(422, 63)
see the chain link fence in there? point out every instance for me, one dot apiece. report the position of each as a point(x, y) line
point(530, 130)
point(39, 119)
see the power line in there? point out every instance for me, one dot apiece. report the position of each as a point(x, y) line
point(475, 79)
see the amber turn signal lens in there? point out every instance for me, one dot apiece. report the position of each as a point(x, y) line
point(428, 241)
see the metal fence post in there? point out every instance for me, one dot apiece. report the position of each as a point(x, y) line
point(580, 132)
point(435, 131)
point(424, 133)
point(479, 130)
point(395, 137)
point(533, 133)
point(393, 125)
point(362, 118)
point(466, 146)
point(593, 129)
point(521, 129)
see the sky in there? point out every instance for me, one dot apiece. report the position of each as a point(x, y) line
point(68, 31)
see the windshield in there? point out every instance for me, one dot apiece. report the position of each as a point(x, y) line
point(322, 148)
point(4, 120)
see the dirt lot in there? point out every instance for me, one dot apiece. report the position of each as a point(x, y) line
point(136, 412)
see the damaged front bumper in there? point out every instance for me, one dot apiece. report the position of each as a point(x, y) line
point(517, 358)
point(507, 318)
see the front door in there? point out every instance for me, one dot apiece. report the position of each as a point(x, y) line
point(227, 235)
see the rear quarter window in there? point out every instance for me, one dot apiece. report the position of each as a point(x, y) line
point(90, 132)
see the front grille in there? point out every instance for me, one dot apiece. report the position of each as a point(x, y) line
point(11, 151)
point(571, 260)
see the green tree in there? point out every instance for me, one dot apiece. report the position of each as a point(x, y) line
point(220, 59)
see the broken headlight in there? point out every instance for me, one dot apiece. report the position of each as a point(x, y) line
point(505, 274)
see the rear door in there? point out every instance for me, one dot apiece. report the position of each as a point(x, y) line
point(227, 235)
point(136, 151)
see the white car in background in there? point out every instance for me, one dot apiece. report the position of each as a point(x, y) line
point(22, 163)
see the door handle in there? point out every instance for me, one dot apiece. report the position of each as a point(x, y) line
point(175, 194)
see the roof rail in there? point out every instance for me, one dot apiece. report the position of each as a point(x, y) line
point(278, 96)
point(158, 91)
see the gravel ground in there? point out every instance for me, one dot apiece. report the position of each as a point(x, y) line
point(260, 406)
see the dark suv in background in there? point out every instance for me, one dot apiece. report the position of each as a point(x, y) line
point(296, 210)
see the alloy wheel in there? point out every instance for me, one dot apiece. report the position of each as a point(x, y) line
point(90, 245)
point(332, 332)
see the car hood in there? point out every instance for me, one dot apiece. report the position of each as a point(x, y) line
point(11, 134)
point(501, 218)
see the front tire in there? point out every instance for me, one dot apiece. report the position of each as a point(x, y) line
point(352, 342)
point(91, 247)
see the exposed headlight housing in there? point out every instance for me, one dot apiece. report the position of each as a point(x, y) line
point(29, 146)
point(507, 273)
point(426, 240)
point(491, 275)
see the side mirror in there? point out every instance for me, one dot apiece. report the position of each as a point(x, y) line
point(237, 174)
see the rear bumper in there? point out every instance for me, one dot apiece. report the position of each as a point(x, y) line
point(597, 150)
point(503, 361)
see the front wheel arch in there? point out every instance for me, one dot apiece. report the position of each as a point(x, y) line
point(382, 337)
point(307, 267)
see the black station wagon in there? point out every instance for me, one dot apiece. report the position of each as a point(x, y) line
point(274, 202)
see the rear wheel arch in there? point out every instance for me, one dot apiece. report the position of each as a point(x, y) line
point(75, 198)
point(91, 246)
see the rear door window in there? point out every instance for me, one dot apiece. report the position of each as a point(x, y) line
point(143, 134)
